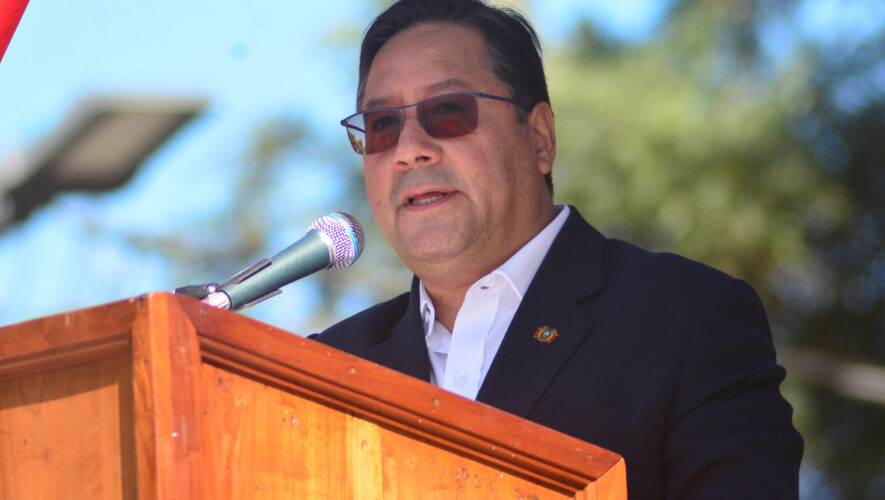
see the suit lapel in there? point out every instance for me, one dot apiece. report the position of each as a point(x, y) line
point(524, 366)
point(405, 349)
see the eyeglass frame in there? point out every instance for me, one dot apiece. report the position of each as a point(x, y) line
point(399, 109)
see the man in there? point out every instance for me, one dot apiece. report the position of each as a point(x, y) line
point(522, 304)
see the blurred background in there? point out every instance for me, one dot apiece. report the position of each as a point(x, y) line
point(145, 146)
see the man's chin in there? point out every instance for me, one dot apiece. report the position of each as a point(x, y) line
point(430, 245)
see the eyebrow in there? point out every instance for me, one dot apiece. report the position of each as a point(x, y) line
point(377, 102)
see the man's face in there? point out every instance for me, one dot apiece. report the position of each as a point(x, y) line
point(471, 200)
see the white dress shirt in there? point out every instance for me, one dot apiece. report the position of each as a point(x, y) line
point(460, 359)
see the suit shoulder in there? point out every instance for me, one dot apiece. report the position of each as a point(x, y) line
point(665, 287)
point(367, 327)
point(628, 260)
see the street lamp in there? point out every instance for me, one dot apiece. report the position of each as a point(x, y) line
point(98, 147)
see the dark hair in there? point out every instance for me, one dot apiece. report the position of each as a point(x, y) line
point(513, 49)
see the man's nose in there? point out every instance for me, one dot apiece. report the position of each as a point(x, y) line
point(415, 147)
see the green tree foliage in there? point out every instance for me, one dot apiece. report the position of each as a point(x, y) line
point(681, 144)
point(772, 168)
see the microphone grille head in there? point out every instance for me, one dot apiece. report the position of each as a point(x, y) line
point(346, 235)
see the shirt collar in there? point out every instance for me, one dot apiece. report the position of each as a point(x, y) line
point(519, 269)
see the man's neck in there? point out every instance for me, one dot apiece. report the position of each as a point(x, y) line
point(447, 283)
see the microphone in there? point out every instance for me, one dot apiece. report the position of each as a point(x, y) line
point(335, 240)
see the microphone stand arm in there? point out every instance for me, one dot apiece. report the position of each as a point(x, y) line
point(212, 294)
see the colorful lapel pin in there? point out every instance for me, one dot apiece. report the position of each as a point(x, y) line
point(546, 334)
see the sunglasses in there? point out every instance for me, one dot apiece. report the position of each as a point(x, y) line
point(445, 116)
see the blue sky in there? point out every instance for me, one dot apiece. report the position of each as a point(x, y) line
point(252, 60)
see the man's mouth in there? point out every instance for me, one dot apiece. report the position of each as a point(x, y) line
point(425, 198)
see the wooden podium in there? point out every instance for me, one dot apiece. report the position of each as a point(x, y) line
point(162, 397)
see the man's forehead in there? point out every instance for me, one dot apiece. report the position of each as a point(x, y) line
point(424, 59)
point(449, 84)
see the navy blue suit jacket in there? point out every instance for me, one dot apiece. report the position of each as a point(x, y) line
point(661, 359)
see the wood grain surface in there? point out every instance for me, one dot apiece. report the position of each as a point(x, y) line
point(163, 397)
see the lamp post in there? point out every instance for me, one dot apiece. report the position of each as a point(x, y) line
point(98, 147)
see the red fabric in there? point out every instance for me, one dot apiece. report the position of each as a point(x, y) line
point(10, 14)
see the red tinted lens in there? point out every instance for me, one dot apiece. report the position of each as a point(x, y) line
point(448, 115)
point(382, 129)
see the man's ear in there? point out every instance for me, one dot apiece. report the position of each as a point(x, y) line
point(541, 126)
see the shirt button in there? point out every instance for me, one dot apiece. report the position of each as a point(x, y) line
point(462, 379)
